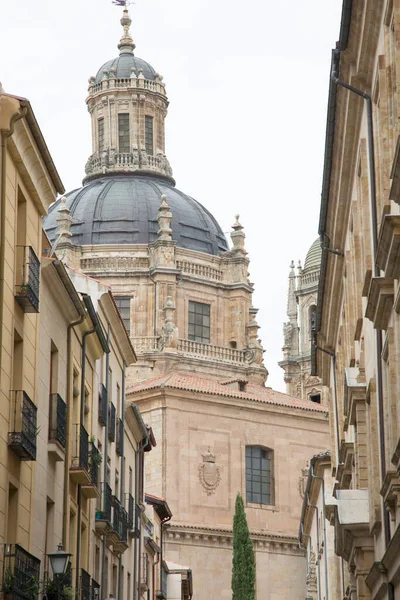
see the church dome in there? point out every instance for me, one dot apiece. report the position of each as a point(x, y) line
point(123, 66)
point(313, 258)
point(122, 209)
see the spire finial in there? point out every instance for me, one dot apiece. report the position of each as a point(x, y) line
point(238, 236)
point(126, 44)
point(164, 220)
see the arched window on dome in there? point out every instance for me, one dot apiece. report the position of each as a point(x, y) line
point(148, 134)
point(259, 475)
point(123, 133)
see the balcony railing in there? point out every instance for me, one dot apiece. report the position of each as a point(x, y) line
point(111, 421)
point(120, 437)
point(104, 510)
point(94, 462)
point(94, 590)
point(116, 515)
point(21, 573)
point(22, 437)
point(79, 470)
point(138, 516)
point(85, 585)
point(58, 420)
point(28, 279)
point(103, 404)
point(130, 509)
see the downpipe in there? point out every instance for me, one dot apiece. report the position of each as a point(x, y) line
point(324, 529)
point(317, 528)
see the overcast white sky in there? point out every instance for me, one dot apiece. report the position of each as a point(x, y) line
point(248, 86)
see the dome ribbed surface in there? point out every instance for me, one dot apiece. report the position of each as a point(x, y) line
point(123, 210)
point(123, 66)
point(313, 258)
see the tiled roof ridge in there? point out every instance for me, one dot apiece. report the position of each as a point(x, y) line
point(185, 381)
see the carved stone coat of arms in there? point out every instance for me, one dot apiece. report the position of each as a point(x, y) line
point(209, 473)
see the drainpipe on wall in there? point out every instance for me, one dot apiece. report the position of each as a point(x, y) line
point(65, 538)
point(122, 481)
point(79, 490)
point(374, 230)
point(317, 527)
point(5, 134)
point(105, 454)
point(324, 529)
point(333, 357)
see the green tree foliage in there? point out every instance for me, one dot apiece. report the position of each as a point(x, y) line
point(243, 565)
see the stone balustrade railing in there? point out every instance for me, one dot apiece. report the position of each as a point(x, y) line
point(139, 83)
point(190, 348)
point(99, 264)
point(307, 278)
point(137, 160)
point(203, 271)
point(145, 344)
point(210, 352)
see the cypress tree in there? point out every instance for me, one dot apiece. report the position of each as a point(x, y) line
point(243, 565)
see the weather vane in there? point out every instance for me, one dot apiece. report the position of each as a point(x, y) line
point(125, 3)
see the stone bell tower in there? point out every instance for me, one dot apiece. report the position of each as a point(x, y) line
point(128, 104)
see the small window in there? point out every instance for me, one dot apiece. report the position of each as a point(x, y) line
point(148, 134)
point(199, 322)
point(100, 133)
point(259, 481)
point(315, 398)
point(124, 307)
point(123, 133)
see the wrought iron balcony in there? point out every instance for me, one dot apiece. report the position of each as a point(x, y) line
point(130, 509)
point(94, 590)
point(122, 543)
point(79, 470)
point(57, 426)
point(138, 518)
point(111, 421)
point(103, 513)
point(21, 573)
point(28, 279)
point(85, 585)
point(120, 437)
point(91, 490)
point(103, 404)
point(116, 514)
point(23, 434)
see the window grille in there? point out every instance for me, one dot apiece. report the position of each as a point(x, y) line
point(259, 475)
point(123, 133)
point(124, 307)
point(148, 134)
point(199, 322)
point(100, 133)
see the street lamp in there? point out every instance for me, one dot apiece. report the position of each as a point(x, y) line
point(59, 560)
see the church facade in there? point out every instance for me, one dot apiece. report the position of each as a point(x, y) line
point(186, 300)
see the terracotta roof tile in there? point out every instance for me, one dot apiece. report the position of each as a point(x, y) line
point(194, 383)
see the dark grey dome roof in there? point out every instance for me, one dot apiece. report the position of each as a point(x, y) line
point(123, 66)
point(122, 209)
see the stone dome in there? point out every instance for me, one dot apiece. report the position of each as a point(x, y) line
point(313, 258)
point(124, 64)
point(122, 209)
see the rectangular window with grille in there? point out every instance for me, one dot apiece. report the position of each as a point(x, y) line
point(199, 322)
point(123, 133)
point(259, 488)
point(124, 307)
point(148, 134)
point(100, 134)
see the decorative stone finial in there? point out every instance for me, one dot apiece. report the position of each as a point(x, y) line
point(164, 220)
point(238, 236)
point(169, 335)
point(64, 219)
point(126, 44)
